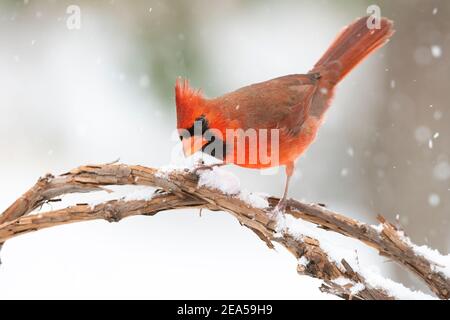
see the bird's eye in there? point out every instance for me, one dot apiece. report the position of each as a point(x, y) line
point(181, 138)
point(202, 123)
point(199, 127)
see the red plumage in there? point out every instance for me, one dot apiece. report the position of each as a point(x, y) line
point(294, 104)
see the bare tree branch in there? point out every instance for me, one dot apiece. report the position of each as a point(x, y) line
point(182, 191)
point(319, 264)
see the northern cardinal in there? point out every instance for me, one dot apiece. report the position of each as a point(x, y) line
point(294, 104)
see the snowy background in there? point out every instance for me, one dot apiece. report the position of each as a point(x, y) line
point(72, 97)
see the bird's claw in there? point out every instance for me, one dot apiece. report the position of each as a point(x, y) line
point(280, 207)
point(159, 191)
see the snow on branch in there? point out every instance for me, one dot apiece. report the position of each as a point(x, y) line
point(218, 190)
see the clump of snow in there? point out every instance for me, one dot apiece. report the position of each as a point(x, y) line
point(442, 262)
point(392, 288)
point(126, 193)
point(220, 179)
point(378, 227)
point(143, 193)
point(225, 181)
point(376, 281)
point(256, 200)
point(214, 177)
point(303, 261)
point(298, 229)
point(164, 171)
point(342, 281)
point(435, 11)
point(355, 288)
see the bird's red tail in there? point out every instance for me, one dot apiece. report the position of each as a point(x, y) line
point(352, 45)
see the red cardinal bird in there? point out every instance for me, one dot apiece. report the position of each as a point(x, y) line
point(294, 104)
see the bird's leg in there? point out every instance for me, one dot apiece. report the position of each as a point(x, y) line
point(281, 206)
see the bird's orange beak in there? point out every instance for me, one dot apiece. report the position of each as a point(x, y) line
point(192, 145)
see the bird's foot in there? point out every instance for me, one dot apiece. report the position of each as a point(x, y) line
point(280, 208)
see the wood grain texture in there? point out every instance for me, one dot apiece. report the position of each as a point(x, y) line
point(181, 191)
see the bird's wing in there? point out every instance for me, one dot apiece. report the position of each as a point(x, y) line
point(278, 103)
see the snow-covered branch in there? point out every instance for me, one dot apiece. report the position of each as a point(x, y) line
point(216, 190)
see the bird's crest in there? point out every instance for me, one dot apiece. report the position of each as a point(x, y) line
point(188, 101)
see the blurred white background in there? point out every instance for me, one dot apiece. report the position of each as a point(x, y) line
point(105, 91)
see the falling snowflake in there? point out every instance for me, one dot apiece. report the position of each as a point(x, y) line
point(434, 200)
point(344, 172)
point(144, 81)
point(393, 84)
point(437, 115)
point(422, 134)
point(436, 51)
point(350, 151)
point(442, 171)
